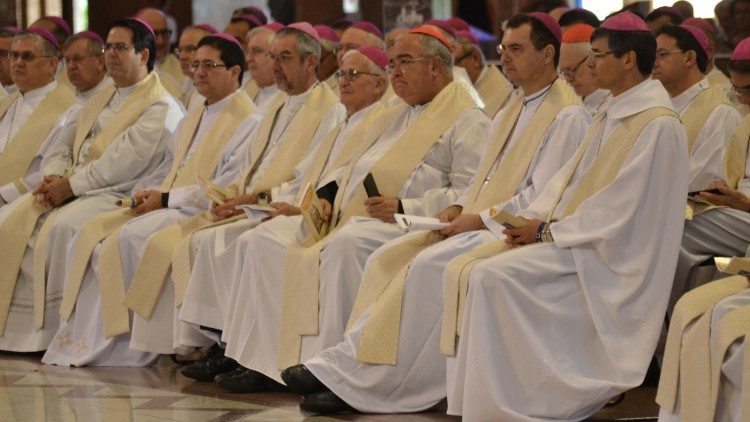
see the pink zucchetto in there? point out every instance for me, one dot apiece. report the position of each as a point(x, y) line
point(625, 21)
point(703, 24)
point(306, 28)
point(458, 24)
point(699, 36)
point(60, 22)
point(442, 25)
point(742, 51)
point(251, 19)
point(44, 34)
point(227, 37)
point(206, 27)
point(145, 25)
point(376, 55)
point(274, 26)
point(368, 27)
point(549, 22)
point(90, 35)
point(468, 36)
point(326, 33)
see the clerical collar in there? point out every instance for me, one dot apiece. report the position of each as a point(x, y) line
point(10, 88)
point(211, 108)
point(646, 94)
point(595, 101)
point(41, 91)
point(359, 115)
point(125, 91)
point(85, 96)
point(682, 100)
point(535, 96)
point(482, 74)
point(299, 98)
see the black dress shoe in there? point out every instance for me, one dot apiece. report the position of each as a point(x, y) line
point(233, 373)
point(213, 364)
point(325, 402)
point(248, 381)
point(300, 380)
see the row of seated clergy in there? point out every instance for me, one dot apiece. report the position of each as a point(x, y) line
point(116, 137)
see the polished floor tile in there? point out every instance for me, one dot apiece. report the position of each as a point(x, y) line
point(30, 391)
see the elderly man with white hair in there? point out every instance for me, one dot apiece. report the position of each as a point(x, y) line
point(574, 51)
point(260, 85)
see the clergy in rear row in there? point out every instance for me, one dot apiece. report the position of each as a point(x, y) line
point(602, 241)
point(261, 86)
point(218, 265)
point(147, 255)
point(698, 359)
point(574, 53)
point(406, 370)
point(119, 136)
point(210, 142)
point(422, 161)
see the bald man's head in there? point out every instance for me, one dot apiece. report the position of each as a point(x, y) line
point(158, 21)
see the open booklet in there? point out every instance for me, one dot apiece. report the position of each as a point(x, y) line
point(736, 265)
point(508, 220)
point(256, 212)
point(312, 213)
point(416, 222)
point(215, 192)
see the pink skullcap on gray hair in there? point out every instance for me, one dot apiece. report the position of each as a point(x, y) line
point(60, 22)
point(206, 27)
point(375, 54)
point(368, 27)
point(44, 34)
point(274, 26)
point(326, 33)
point(306, 28)
point(549, 22)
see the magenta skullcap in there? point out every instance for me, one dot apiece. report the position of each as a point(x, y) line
point(703, 24)
point(368, 27)
point(669, 9)
point(458, 24)
point(468, 36)
point(326, 32)
point(549, 22)
point(13, 29)
point(625, 21)
point(442, 25)
point(251, 19)
point(699, 36)
point(44, 34)
point(90, 35)
point(376, 55)
point(259, 14)
point(306, 28)
point(60, 22)
point(146, 25)
point(226, 37)
point(274, 26)
point(742, 51)
point(206, 27)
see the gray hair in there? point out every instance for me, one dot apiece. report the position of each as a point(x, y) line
point(255, 31)
point(374, 40)
point(92, 47)
point(435, 48)
point(371, 66)
point(45, 48)
point(469, 46)
point(306, 45)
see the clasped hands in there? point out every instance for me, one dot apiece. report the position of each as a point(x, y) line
point(53, 191)
point(462, 223)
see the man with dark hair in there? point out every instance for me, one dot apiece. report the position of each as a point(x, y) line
point(555, 329)
point(186, 48)
point(740, 12)
point(547, 121)
point(708, 116)
point(56, 25)
point(574, 16)
point(239, 27)
point(259, 14)
point(6, 40)
point(685, 8)
point(209, 143)
point(661, 16)
point(119, 137)
point(706, 349)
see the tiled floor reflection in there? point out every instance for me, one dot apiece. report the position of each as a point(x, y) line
point(30, 391)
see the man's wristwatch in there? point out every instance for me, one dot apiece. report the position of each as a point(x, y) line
point(263, 199)
point(544, 234)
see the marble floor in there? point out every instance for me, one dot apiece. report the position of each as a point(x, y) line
point(30, 391)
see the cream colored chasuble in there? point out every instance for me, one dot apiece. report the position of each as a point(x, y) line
point(184, 172)
point(162, 251)
point(494, 89)
point(301, 278)
point(385, 276)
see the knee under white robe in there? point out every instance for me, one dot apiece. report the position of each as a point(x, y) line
point(98, 185)
point(454, 156)
point(85, 325)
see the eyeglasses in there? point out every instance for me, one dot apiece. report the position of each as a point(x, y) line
point(255, 51)
point(662, 54)
point(745, 90)
point(208, 66)
point(163, 33)
point(188, 49)
point(351, 74)
point(74, 60)
point(283, 57)
point(345, 48)
point(600, 54)
point(465, 55)
point(118, 47)
point(402, 62)
point(26, 56)
point(572, 72)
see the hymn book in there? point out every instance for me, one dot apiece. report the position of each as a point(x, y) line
point(416, 222)
point(508, 220)
point(312, 213)
point(215, 192)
